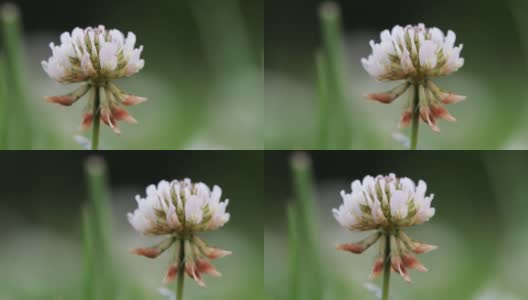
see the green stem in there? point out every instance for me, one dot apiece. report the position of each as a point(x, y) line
point(415, 117)
point(181, 269)
point(386, 269)
point(96, 118)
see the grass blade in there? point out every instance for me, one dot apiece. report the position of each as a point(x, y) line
point(19, 127)
point(98, 215)
point(330, 17)
point(293, 254)
point(310, 275)
point(3, 104)
point(323, 113)
point(88, 255)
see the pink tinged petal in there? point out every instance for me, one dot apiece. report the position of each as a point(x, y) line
point(70, 98)
point(133, 100)
point(412, 262)
point(377, 268)
point(420, 248)
point(154, 251)
point(362, 245)
point(399, 267)
point(121, 114)
point(192, 272)
point(65, 100)
point(426, 116)
point(206, 268)
point(108, 119)
point(354, 248)
point(87, 120)
point(146, 252)
point(448, 98)
point(214, 253)
point(381, 97)
point(441, 113)
point(406, 118)
point(172, 273)
point(396, 261)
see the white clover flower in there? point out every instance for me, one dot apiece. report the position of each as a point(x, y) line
point(415, 54)
point(181, 209)
point(94, 54)
point(384, 202)
point(387, 204)
point(94, 57)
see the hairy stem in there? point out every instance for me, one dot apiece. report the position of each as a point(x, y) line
point(181, 269)
point(386, 269)
point(415, 117)
point(96, 118)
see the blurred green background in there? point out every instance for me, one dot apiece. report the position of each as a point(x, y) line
point(40, 220)
point(480, 225)
point(202, 75)
point(495, 38)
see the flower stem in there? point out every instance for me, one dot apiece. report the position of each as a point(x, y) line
point(96, 119)
point(386, 269)
point(181, 269)
point(415, 117)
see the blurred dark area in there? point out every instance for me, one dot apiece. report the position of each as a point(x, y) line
point(486, 28)
point(172, 22)
point(464, 193)
point(49, 188)
point(162, 25)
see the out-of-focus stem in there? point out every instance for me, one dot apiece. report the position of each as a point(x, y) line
point(3, 104)
point(313, 283)
point(14, 67)
point(322, 87)
point(293, 253)
point(95, 169)
point(330, 16)
point(88, 255)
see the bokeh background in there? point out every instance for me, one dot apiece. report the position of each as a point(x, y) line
point(480, 225)
point(495, 38)
point(40, 220)
point(202, 75)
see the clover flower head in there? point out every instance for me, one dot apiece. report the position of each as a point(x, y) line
point(416, 54)
point(93, 54)
point(413, 52)
point(94, 57)
point(384, 202)
point(387, 204)
point(181, 209)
